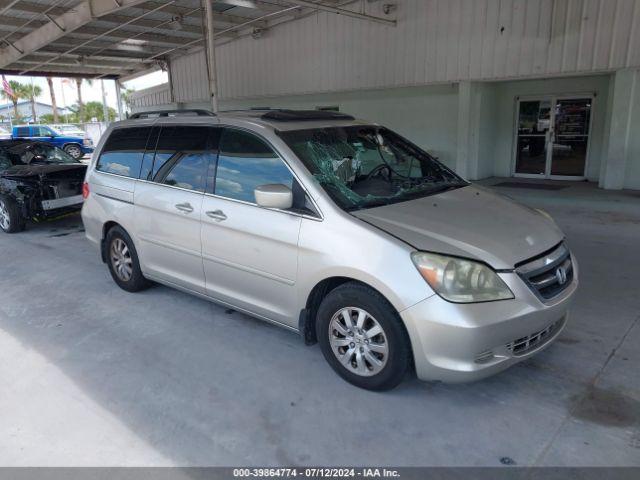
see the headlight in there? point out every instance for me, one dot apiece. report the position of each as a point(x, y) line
point(459, 280)
point(87, 142)
point(544, 213)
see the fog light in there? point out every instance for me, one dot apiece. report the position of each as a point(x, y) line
point(484, 357)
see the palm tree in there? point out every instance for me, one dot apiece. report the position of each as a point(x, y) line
point(81, 113)
point(126, 97)
point(54, 105)
point(33, 91)
point(80, 104)
point(21, 91)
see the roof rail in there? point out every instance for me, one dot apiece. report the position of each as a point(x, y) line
point(297, 115)
point(172, 113)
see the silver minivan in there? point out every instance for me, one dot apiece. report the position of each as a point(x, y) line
point(335, 228)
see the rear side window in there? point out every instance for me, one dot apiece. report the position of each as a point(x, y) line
point(22, 131)
point(246, 162)
point(123, 152)
point(183, 156)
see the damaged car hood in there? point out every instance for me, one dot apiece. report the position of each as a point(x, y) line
point(469, 222)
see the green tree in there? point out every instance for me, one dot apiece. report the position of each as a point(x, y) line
point(21, 91)
point(95, 110)
point(33, 91)
point(126, 97)
point(82, 114)
point(47, 118)
point(54, 104)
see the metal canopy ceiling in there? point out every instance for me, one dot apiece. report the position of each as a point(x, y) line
point(122, 38)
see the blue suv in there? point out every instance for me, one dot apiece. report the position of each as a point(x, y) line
point(74, 145)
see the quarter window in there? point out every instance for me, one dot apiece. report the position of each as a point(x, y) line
point(123, 152)
point(183, 156)
point(244, 163)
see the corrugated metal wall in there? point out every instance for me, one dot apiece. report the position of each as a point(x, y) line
point(150, 97)
point(435, 41)
point(189, 77)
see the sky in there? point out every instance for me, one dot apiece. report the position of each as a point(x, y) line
point(66, 94)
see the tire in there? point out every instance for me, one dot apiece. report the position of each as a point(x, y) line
point(74, 150)
point(122, 260)
point(11, 220)
point(335, 338)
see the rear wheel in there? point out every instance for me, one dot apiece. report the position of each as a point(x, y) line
point(11, 219)
point(362, 337)
point(122, 259)
point(74, 150)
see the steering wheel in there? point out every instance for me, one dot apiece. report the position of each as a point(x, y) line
point(378, 170)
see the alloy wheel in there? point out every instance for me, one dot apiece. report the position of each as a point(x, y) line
point(121, 259)
point(5, 221)
point(358, 341)
point(74, 151)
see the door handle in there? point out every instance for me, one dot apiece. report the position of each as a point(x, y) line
point(184, 207)
point(217, 215)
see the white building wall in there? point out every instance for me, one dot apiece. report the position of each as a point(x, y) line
point(189, 77)
point(502, 135)
point(435, 41)
point(428, 116)
point(632, 161)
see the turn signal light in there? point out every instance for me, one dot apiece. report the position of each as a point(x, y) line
point(85, 190)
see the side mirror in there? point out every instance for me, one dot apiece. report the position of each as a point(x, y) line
point(274, 196)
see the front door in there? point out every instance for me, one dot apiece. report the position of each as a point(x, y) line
point(250, 253)
point(553, 137)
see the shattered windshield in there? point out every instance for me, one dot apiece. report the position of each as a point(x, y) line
point(25, 153)
point(365, 166)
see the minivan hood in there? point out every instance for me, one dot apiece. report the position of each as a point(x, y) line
point(470, 222)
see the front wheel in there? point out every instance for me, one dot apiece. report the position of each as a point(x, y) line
point(74, 150)
point(11, 220)
point(363, 338)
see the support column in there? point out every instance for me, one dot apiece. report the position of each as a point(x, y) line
point(119, 99)
point(105, 107)
point(616, 155)
point(469, 111)
point(211, 57)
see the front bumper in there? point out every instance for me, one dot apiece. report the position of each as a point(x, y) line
point(465, 342)
point(86, 149)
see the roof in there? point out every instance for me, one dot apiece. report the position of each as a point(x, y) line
point(111, 39)
point(28, 102)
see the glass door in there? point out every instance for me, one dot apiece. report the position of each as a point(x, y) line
point(553, 137)
point(570, 137)
point(534, 122)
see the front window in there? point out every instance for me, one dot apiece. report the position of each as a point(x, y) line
point(365, 166)
point(42, 132)
point(246, 162)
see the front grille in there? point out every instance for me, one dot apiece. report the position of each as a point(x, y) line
point(524, 345)
point(549, 275)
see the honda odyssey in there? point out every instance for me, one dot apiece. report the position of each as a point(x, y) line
point(339, 229)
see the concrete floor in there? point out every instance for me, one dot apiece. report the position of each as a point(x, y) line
point(92, 375)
